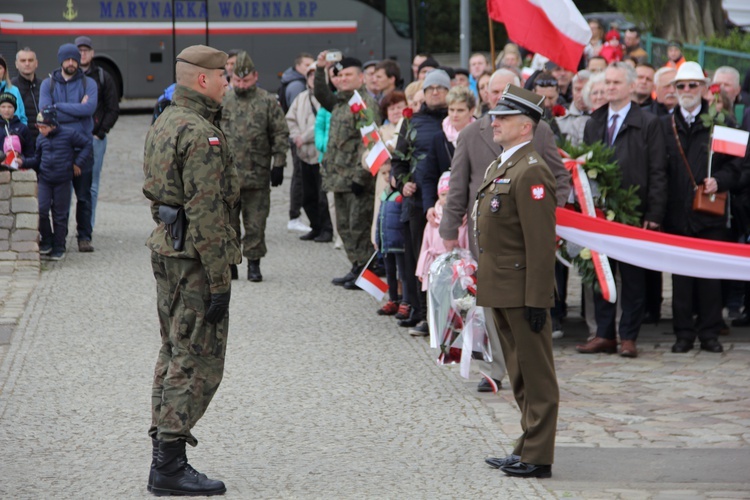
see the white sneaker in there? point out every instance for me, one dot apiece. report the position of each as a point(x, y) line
point(558, 334)
point(298, 225)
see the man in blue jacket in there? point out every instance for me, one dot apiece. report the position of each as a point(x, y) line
point(74, 97)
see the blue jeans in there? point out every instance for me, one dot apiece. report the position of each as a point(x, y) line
point(100, 147)
point(55, 197)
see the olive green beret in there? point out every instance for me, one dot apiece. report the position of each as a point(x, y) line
point(243, 66)
point(204, 57)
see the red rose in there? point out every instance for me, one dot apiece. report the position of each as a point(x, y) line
point(407, 113)
point(715, 88)
point(559, 110)
point(356, 108)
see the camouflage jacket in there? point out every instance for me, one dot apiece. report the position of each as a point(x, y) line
point(187, 163)
point(342, 162)
point(257, 133)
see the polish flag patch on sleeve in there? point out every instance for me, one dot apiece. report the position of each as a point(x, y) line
point(214, 141)
point(537, 192)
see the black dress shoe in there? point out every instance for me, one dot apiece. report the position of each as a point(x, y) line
point(340, 281)
point(310, 236)
point(324, 237)
point(485, 386)
point(351, 285)
point(522, 469)
point(502, 462)
point(682, 346)
point(712, 345)
point(743, 320)
point(412, 321)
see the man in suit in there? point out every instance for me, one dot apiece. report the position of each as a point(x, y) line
point(638, 143)
point(475, 150)
point(515, 232)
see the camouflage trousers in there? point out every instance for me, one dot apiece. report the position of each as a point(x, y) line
point(255, 205)
point(354, 222)
point(190, 364)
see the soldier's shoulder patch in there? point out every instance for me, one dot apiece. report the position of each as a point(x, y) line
point(214, 141)
point(537, 192)
point(533, 160)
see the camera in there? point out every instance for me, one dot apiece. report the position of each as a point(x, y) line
point(333, 56)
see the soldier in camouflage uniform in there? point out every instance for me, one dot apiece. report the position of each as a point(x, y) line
point(188, 166)
point(258, 137)
point(353, 187)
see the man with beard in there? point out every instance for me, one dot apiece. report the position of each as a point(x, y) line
point(696, 302)
point(75, 97)
point(258, 137)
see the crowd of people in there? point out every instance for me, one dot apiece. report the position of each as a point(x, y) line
point(58, 126)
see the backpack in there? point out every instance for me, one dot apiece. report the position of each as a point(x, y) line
point(281, 96)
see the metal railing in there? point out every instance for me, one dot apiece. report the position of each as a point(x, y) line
point(709, 58)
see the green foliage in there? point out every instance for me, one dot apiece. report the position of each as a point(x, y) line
point(647, 12)
point(735, 39)
point(611, 200)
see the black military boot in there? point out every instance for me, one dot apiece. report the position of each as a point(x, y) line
point(233, 270)
point(253, 271)
point(173, 474)
point(353, 274)
point(154, 457)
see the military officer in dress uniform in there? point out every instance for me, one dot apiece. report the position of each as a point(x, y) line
point(193, 187)
point(515, 231)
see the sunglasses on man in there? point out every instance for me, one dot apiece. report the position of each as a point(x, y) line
point(683, 86)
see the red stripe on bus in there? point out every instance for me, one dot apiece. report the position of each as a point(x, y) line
point(182, 31)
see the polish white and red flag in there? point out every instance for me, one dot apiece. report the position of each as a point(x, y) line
point(730, 141)
point(377, 152)
point(655, 250)
point(370, 282)
point(553, 28)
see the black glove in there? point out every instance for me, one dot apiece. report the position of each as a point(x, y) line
point(218, 308)
point(536, 316)
point(277, 176)
point(357, 189)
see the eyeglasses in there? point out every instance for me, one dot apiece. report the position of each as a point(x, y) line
point(683, 86)
point(434, 88)
point(544, 82)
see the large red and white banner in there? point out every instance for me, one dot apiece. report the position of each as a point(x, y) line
point(553, 28)
point(655, 250)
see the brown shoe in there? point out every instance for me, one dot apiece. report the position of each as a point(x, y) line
point(628, 349)
point(596, 345)
point(85, 246)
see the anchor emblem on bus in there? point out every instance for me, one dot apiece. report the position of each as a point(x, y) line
point(70, 13)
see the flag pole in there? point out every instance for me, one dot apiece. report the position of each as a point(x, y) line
point(492, 43)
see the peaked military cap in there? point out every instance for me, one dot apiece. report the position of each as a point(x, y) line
point(244, 65)
point(518, 101)
point(204, 57)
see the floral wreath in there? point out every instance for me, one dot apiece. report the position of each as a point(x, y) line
point(611, 201)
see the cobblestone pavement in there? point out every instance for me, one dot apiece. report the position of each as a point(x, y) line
point(324, 399)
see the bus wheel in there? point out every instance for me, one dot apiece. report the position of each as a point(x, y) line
point(114, 73)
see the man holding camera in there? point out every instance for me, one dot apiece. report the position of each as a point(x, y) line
point(353, 187)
